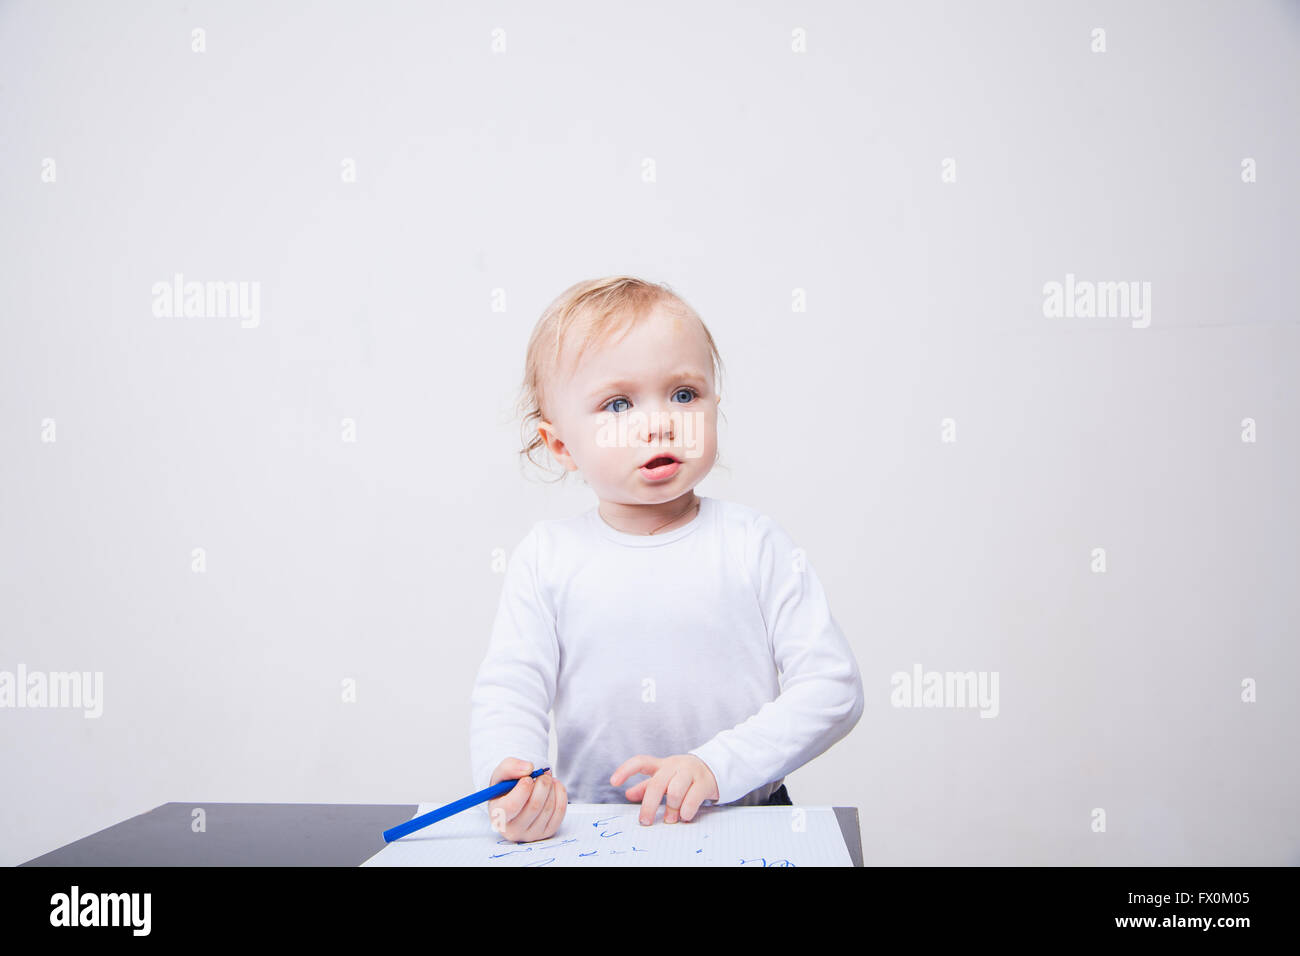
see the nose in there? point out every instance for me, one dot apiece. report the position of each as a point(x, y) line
point(659, 428)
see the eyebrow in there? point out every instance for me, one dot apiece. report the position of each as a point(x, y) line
point(683, 375)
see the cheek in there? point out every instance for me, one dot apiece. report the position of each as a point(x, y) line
point(704, 436)
point(705, 421)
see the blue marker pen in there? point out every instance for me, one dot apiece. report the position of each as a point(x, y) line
point(464, 803)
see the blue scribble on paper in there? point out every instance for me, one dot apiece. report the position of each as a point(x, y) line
point(497, 856)
point(529, 849)
point(547, 846)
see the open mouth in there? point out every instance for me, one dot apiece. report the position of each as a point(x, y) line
point(660, 468)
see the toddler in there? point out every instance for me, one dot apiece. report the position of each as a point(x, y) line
point(675, 636)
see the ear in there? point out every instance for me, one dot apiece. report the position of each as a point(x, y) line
point(556, 447)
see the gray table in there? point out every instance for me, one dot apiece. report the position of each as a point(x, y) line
point(270, 834)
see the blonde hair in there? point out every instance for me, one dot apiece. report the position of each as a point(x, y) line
point(591, 312)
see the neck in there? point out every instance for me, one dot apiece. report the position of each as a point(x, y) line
point(645, 519)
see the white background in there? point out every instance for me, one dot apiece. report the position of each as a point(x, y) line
point(522, 171)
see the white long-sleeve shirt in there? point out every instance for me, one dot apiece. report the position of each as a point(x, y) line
point(714, 638)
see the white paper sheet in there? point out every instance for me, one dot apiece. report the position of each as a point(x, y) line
point(602, 834)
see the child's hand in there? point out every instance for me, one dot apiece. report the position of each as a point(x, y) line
point(533, 809)
point(685, 778)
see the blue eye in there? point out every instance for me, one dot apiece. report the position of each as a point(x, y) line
point(689, 392)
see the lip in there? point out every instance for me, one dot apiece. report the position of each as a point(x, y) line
point(660, 455)
point(661, 472)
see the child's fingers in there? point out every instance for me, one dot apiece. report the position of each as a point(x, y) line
point(542, 790)
point(691, 803)
point(537, 829)
point(641, 763)
point(514, 802)
point(497, 814)
point(637, 791)
point(557, 813)
point(654, 792)
point(677, 787)
point(512, 768)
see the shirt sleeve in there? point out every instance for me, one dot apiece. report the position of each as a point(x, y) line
point(821, 687)
point(515, 687)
